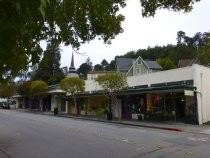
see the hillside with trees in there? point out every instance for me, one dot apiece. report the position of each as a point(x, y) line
point(196, 47)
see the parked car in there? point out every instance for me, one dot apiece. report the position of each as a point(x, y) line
point(6, 106)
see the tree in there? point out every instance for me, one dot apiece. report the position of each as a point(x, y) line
point(49, 68)
point(6, 91)
point(112, 65)
point(149, 7)
point(104, 63)
point(75, 21)
point(24, 89)
point(73, 85)
point(166, 63)
point(204, 51)
point(85, 68)
point(180, 37)
point(37, 88)
point(98, 67)
point(112, 84)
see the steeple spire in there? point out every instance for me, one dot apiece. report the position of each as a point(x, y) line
point(72, 62)
point(72, 71)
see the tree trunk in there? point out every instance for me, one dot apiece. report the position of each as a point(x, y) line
point(75, 105)
point(40, 104)
point(118, 107)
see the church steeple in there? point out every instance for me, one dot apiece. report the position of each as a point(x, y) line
point(72, 62)
point(72, 71)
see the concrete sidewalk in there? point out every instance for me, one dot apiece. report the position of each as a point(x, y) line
point(172, 126)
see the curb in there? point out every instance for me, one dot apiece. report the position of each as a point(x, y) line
point(123, 123)
point(106, 121)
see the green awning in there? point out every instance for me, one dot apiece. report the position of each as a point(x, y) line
point(163, 89)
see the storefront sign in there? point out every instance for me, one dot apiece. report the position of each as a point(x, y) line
point(188, 93)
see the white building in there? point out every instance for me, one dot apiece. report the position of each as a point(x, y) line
point(192, 82)
point(179, 93)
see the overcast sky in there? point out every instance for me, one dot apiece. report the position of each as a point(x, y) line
point(140, 33)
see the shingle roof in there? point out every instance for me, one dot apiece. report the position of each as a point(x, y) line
point(124, 64)
point(185, 62)
point(153, 65)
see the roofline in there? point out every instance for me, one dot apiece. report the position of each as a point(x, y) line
point(172, 88)
point(133, 65)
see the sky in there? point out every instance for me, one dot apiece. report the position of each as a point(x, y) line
point(141, 33)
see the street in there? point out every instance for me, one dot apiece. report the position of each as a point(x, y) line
point(27, 135)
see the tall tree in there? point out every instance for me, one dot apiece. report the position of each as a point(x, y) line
point(85, 68)
point(76, 22)
point(204, 51)
point(180, 37)
point(49, 68)
point(73, 85)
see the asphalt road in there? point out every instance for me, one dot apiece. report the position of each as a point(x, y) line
point(26, 135)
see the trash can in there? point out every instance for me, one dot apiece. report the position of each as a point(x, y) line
point(55, 111)
point(109, 116)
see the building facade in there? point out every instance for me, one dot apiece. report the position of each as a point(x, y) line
point(174, 95)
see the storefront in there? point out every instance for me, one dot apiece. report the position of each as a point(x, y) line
point(160, 104)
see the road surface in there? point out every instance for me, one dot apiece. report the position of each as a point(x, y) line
point(27, 135)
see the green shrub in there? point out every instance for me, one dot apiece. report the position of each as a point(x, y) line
point(100, 112)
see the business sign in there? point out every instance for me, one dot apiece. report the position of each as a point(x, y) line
point(188, 93)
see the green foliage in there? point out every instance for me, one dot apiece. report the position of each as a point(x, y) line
point(204, 51)
point(166, 63)
point(112, 65)
point(49, 67)
point(6, 91)
point(37, 87)
point(180, 37)
point(84, 69)
point(149, 7)
point(98, 67)
point(105, 66)
point(72, 85)
point(112, 82)
point(24, 88)
point(101, 111)
point(23, 26)
point(194, 47)
point(104, 63)
point(43, 6)
point(155, 116)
